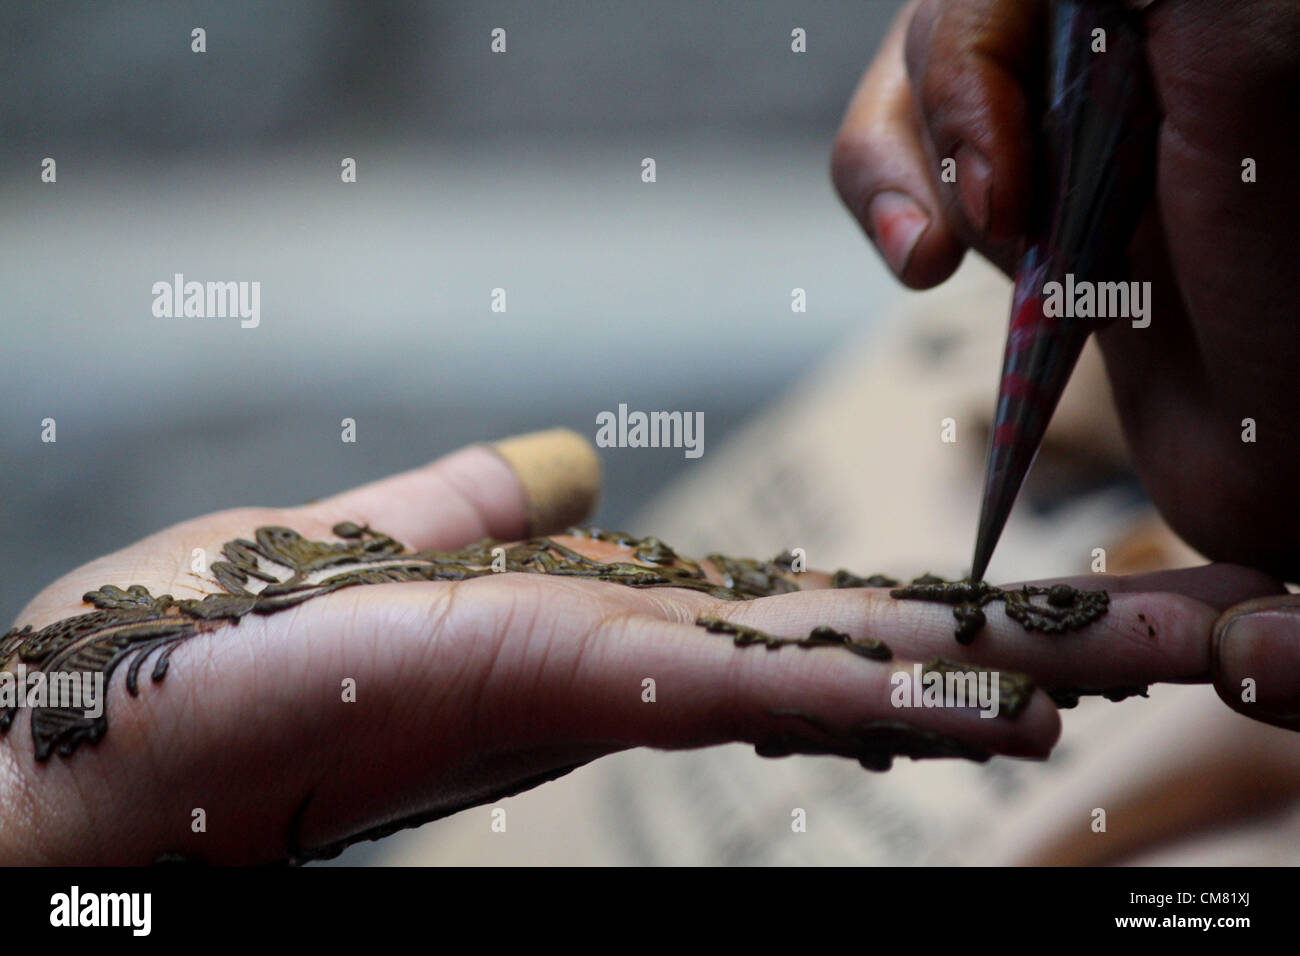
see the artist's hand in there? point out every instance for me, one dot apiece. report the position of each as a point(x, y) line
point(463, 691)
point(955, 79)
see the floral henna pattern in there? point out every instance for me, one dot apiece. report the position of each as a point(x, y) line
point(1063, 608)
point(279, 569)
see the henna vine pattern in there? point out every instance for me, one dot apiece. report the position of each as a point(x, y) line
point(1063, 609)
point(279, 569)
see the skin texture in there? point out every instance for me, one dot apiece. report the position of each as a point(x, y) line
point(960, 78)
point(469, 690)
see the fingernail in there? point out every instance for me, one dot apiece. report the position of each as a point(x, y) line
point(974, 178)
point(1259, 662)
point(896, 224)
point(560, 475)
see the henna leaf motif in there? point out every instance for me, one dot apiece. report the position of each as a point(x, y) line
point(280, 568)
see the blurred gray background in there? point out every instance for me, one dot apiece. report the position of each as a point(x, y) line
point(475, 171)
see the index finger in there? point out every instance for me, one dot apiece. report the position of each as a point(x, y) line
point(1157, 628)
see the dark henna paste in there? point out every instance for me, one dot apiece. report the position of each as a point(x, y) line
point(874, 743)
point(280, 568)
point(1065, 608)
point(823, 636)
point(846, 579)
point(1068, 697)
point(1014, 690)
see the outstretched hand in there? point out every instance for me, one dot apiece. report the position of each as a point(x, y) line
point(465, 691)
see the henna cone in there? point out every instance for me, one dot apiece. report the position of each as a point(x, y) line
point(1098, 135)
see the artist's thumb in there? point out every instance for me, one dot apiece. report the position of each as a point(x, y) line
point(1255, 658)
